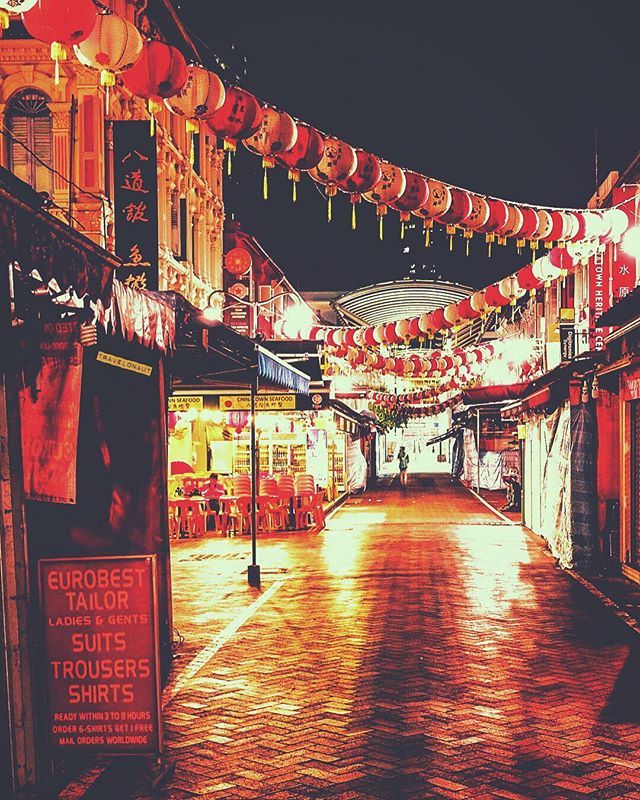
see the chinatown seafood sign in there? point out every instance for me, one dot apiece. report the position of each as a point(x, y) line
point(136, 203)
point(101, 654)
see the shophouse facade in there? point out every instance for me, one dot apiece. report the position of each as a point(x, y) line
point(68, 130)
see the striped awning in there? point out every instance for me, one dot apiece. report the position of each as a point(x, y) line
point(276, 372)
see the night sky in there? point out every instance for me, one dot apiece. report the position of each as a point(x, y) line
point(499, 97)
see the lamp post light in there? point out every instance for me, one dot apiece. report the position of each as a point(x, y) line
point(298, 314)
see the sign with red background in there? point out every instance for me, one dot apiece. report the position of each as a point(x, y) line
point(101, 654)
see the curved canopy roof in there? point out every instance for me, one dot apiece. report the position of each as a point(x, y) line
point(394, 300)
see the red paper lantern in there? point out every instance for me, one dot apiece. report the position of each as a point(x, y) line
point(276, 134)
point(494, 297)
point(369, 338)
point(557, 227)
point(113, 45)
point(480, 213)
point(527, 279)
point(349, 334)
point(237, 118)
point(561, 258)
point(238, 261)
point(439, 321)
point(60, 24)
point(391, 335)
point(414, 196)
point(304, 155)
point(367, 173)
point(459, 209)
point(391, 185)
point(465, 309)
point(529, 224)
point(338, 162)
point(201, 96)
point(414, 328)
point(545, 225)
point(160, 72)
point(512, 225)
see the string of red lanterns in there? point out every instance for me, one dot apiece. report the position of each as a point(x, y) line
point(157, 72)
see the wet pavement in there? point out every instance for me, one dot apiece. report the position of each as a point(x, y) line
point(418, 648)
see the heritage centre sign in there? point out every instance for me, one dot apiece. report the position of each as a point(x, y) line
point(101, 658)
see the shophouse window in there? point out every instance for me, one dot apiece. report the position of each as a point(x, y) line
point(196, 153)
point(30, 139)
point(183, 228)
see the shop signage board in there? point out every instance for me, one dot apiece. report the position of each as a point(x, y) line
point(124, 363)
point(567, 334)
point(136, 203)
point(101, 659)
point(186, 402)
point(599, 298)
point(263, 402)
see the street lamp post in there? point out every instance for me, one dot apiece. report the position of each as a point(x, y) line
point(253, 570)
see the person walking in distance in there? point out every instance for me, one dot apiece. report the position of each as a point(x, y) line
point(403, 463)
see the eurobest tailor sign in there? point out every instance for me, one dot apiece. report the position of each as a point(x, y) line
point(101, 654)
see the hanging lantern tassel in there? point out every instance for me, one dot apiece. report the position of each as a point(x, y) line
point(192, 128)
point(230, 146)
point(595, 388)
point(519, 245)
point(490, 239)
point(4, 20)
point(329, 209)
point(381, 210)
point(451, 230)
point(58, 54)
point(107, 79)
point(154, 107)
point(428, 225)
point(467, 235)
point(533, 244)
point(354, 216)
point(265, 185)
point(294, 177)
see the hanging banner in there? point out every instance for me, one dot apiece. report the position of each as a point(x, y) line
point(101, 654)
point(50, 415)
point(136, 203)
point(567, 334)
point(599, 298)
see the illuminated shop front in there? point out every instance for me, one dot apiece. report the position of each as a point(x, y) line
point(210, 433)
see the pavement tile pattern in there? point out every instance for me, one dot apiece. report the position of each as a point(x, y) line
point(417, 648)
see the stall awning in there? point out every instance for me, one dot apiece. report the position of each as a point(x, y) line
point(216, 356)
point(483, 395)
point(273, 371)
point(301, 353)
point(353, 420)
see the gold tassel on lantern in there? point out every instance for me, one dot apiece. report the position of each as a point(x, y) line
point(154, 107)
point(490, 239)
point(230, 147)
point(58, 54)
point(354, 218)
point(192, 128)
point(329, 209)
point(107, 79)
point(427, 226)
point(451, 230)
point(468, 236)
point(265, 185)
point(519, 245)
point(4, 20)
point(381, 210)
point(294, 177)
point(533, 244)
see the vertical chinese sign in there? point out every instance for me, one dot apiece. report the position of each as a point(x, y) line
point(136, 203)
point(101, 654)
point(599, 298)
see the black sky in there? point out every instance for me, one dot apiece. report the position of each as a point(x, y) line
point(499, 97)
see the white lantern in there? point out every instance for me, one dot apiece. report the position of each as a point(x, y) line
point(594, 225)
point(619, 222)
point(509, 287)
point(544, 270)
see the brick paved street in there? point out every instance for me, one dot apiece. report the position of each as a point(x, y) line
point(418, 648)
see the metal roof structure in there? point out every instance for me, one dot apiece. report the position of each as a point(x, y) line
point(394, 300)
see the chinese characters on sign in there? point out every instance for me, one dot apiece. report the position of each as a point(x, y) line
point(101, 654)
point(136, 203)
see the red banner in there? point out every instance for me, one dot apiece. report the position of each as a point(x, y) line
point(101, 654)
point(50, 414)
